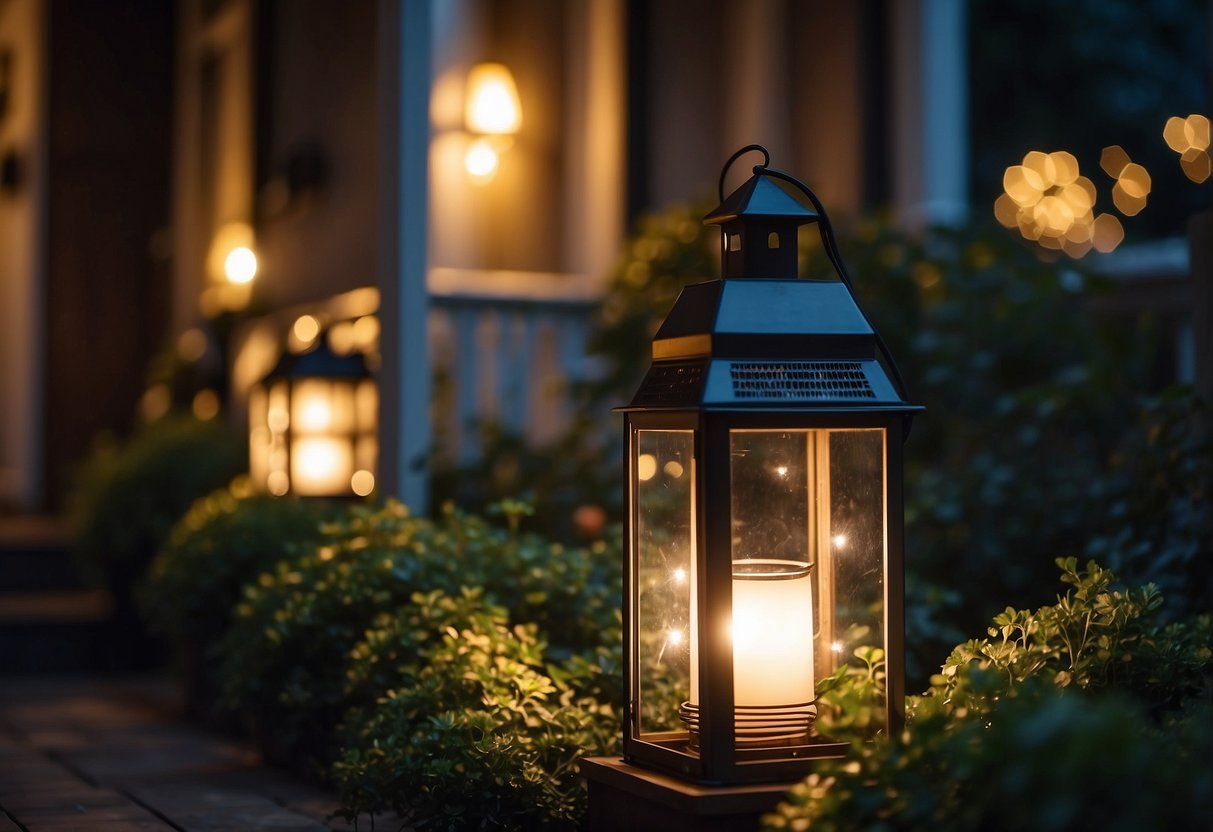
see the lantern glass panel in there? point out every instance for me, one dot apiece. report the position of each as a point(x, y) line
point(808, 547)
point(851, 579)
point(663, 484)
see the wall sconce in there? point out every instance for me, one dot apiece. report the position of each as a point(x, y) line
point(231, 266)
point(313, 425)
point(763, 525)
point(492, 115)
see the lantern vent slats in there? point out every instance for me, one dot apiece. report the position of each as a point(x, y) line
point(809, 380)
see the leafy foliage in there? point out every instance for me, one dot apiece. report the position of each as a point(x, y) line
point(1096, 636)
point(480, 731)
point(128, 496)
point(223, 542)
point(287, 657)
point(1046, 762)
point(1089, 713)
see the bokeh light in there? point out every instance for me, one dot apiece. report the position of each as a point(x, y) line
point(1049, 201)
point(1107, 233)
point(1132, 185)
point(1196, 164)
point(1189, 137)
point(1113, 160)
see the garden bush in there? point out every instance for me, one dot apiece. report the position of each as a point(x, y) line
point(1091, 713)
point(126, 499)
point(482, 728)
point(129, 495)
point(287, 657)
point(225, 540)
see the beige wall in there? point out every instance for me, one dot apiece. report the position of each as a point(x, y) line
point(21, 226)
point(321, 99)
point(773, 72)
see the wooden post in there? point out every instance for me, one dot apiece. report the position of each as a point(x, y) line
point(404, 140)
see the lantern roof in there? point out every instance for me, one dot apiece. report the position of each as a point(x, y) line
point(320, 362)
point(746, 343)
point(760, 196)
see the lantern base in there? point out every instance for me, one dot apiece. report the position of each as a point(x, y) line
point(623, 796)
point(760, 726)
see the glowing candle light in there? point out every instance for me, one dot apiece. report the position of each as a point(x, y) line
point(772, 633)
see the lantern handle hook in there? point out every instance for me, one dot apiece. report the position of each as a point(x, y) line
point(826, 229)
point(766, 160)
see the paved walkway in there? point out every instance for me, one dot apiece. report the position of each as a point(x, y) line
point(113, 755)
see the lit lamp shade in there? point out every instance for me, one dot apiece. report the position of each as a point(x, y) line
point(313, 426)
point(764, 521)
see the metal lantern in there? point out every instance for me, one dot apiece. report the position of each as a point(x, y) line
point(313, 425)
point(764, 523)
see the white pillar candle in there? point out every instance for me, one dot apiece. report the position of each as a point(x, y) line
point(772, 633)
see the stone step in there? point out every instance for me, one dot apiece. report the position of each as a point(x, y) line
point(35, 554)
point(55, 631)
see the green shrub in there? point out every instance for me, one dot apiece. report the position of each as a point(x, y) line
point(1096, 636)
point(482, 730)
point(1047, 762)
point(1091, 713)
point(126, 499)
point(224, 541)
point(129, 496)
point(287, 657)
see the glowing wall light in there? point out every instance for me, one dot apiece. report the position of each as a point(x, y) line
point(493, 115)
point(240, 265)
point(231, 265)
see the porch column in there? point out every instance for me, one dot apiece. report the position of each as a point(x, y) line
point(404, 138)
point(930, 111)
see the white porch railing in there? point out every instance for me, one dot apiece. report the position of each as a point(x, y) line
point(503, 361)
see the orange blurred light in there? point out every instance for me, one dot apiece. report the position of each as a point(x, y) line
point(1065, 167)
point(1107, 233)
point(1023, 185)
point(1005, 211)
point(1043, 166)
point(1173, 133)
point(1077, 249)
point(1196, 131)
point(1196, 165)
point(1113, 160)
point(1125, 202)
point(1135, 180)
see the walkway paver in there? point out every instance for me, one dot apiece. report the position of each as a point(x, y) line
point(114, 755)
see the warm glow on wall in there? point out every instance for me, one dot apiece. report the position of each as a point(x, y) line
point(492, 106)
